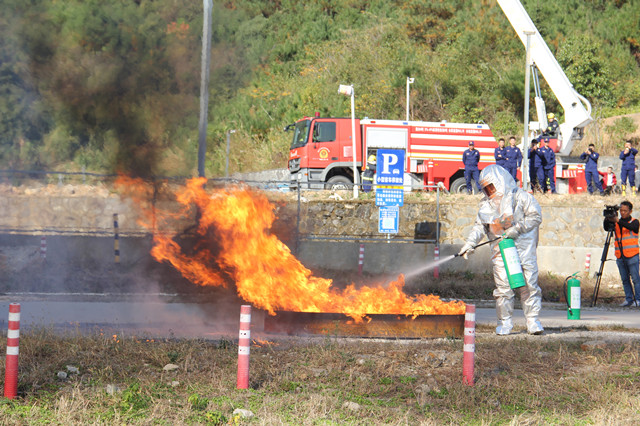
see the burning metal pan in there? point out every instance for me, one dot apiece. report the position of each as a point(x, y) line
point(381, 325)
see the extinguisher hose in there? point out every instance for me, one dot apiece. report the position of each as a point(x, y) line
point(566, 296)
point(479, 245)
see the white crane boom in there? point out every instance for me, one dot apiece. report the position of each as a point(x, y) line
point(577, 109)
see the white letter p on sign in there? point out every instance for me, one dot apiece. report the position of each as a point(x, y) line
point(388, 160)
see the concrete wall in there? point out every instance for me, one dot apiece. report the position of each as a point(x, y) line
point(566, 235)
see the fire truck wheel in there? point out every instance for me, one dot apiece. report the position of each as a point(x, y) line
point(459, 186)
point(336, 183)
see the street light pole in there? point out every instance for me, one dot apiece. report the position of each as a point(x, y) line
point(410, 81)
point(226, 167)
point(525, 143)
point(348, 91)
point(204, 86)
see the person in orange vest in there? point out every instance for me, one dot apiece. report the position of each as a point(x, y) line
point(626, 244)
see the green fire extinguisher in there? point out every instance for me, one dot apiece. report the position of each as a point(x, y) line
point(571, 292)
point(511, 263)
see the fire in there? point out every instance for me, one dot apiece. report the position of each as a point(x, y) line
point(265, 272)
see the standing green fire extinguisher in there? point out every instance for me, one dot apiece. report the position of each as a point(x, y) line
point(571, 292)
point(511, 263)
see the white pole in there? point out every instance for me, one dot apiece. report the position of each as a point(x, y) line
point(204, 85)
point(409, 82)
point(525, 143)
point(356, 175)
point(226, 166)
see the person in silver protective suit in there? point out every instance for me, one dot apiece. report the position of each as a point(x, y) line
point(509, 212)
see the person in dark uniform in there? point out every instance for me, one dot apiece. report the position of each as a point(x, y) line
point(369, 172)
point(470, 159)
point(548, 158)
point(514, 158)
point(591, 169)
point(628, 157)
point(553, 128)
point(500, 154)
point(535, 165)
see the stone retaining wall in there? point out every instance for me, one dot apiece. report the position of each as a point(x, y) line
point(567, 233)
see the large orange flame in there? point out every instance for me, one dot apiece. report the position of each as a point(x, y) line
point(265, 272)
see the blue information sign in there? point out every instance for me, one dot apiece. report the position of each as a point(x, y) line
point(389, 197)
point(388, 220)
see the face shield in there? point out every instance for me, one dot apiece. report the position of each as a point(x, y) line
point(489, 190)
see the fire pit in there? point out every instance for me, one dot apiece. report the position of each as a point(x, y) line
point(381, 325)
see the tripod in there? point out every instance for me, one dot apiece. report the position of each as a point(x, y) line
point(603, 259)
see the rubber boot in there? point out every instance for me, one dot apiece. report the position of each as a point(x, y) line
point(633, 191)
point(624, 190)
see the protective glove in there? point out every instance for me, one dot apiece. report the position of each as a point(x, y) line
point(511, 233)
point(466, 250)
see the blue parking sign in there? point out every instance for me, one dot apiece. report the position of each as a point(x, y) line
point(390, 177)
point(390, 169)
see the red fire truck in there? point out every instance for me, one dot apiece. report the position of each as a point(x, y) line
point(321, 154)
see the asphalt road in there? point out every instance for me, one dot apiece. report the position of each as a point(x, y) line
point(156, 317)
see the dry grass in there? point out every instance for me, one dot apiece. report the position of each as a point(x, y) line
point(299, 381)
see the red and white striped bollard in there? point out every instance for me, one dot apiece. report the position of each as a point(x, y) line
point(468, 357)
point(361, 259)
point(43, 247)
point(13, 340)
point(244, 345)
point(587, 263)
point(436, 257)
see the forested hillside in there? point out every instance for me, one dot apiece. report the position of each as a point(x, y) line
point(114, 86)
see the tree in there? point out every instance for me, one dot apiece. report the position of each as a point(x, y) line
point(585, 68)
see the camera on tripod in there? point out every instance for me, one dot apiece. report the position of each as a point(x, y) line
point(610, 212)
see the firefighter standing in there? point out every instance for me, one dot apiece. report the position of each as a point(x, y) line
point(470, 159)
point(591, 169)
point(626, 244)
point(628, 157)
point(500, 154)
point(545, 173)
point(514, 158)
point(369, 172)
point(535, 165)
point(509, 212)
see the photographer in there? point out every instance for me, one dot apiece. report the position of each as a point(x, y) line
point(626, 244)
